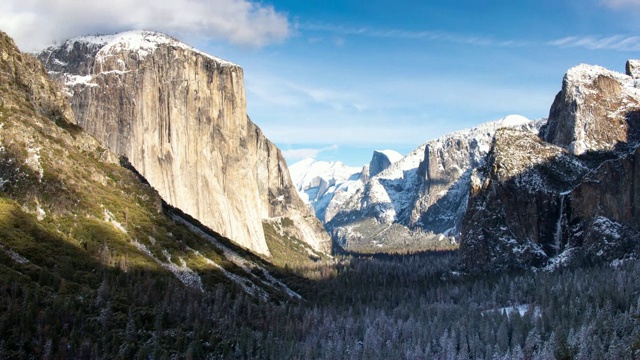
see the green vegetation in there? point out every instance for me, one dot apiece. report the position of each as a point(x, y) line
point(94, 266)
point(286, 249)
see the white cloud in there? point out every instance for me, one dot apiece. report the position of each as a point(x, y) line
point(615, 42)
point(37, 23)
point(305, 153)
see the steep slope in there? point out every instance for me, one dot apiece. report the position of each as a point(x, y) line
point(87, 249)
point(322, 184)
point(179, 116)
point(568, 194)
point(381, 160)
point(419, 200)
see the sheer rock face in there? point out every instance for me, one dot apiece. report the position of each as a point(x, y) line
point(423, 196)
point(179, 116)
point(571, 190)
point(515, 202)
point(591, 113)
point(381, 160)
point(633, 68)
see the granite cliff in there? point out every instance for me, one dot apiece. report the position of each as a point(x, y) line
point(414, 202)
point(568, 193)
point(179, 116)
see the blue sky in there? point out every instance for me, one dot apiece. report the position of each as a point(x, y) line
point(336, 80)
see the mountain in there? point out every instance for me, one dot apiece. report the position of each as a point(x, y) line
point(323, 184)
point(87, 247)
point(179, 116)
point(381, 160)
point(418, 201)
point(568, 193)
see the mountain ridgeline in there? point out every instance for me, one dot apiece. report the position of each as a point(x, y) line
point(513, 193)
point(569, 193)
point(411, 203)
point(179, 117)
point(94, 264)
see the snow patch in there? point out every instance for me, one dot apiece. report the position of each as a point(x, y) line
point(13, 255)
point(72, 80)
point(560, 260)
point(108, 217)
point(141, 42)
point(522, 310)
point(59, 63)
point(248, 286)
point(392, 155)
point(246, 265)
point(33, 161)
point(182, 271)
point(40, 213)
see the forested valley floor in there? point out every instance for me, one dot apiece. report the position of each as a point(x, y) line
point(373, 307)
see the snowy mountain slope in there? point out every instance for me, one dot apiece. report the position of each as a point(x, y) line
point(327, 185)
point(321, 183)
point(570, 193)
point(423, 193)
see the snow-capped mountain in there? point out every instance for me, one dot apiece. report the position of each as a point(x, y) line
point(179, 116)
point(325, 186)
point(381, 160)
point(568, 193)
point(320, 183)
point(421, 196)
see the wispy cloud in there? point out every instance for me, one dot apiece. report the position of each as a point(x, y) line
point(408, 34)
point(615, 42)
point(306, 153)
point(37, 23)
point(277, 91)
point(619, 4)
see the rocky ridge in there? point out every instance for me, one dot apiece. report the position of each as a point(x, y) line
point(323, 185)
point(567, 194)
point(419, 200)
point(179, 116)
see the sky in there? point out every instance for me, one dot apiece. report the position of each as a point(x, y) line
point(336, 80)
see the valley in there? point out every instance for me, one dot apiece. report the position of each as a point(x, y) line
point(144, 215)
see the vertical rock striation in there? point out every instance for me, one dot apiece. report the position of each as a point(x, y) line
point(179, 116)
point(540, 200)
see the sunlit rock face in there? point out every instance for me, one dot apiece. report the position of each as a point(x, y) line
point(570, 192)
point(419, 200)
point(179, 116)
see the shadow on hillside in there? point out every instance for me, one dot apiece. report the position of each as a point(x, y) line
point(441, 216)
point(567, 201)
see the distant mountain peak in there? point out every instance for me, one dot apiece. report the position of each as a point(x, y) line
point(381, 160)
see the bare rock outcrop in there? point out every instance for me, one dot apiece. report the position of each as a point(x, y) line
point(633, 68)
point(179, 116)
point(569, 193)
point(591, 112)
point(419, 200)
point(381, 160)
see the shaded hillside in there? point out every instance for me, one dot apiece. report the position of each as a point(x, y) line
point(91, 263)
point(568, 195)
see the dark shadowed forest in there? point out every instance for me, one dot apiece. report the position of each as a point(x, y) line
point(388, 307)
